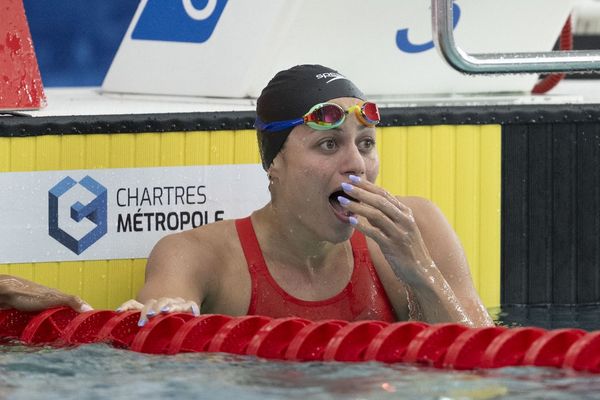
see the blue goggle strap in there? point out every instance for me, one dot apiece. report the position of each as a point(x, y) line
point(277, 125)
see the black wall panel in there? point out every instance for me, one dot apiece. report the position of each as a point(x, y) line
point(550, 213)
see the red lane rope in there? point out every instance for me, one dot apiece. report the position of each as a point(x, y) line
point(466, 352)
point(273, 339)
point(439, 345)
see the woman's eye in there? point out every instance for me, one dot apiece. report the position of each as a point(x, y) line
point(328, 145)
point(367, 144)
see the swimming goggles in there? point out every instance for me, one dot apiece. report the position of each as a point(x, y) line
point(324, 116)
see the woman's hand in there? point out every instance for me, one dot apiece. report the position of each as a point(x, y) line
point(25, 295)
point(163, 305)
point(443, 289)
point(391, 224)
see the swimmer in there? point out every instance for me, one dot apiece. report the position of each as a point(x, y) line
point(330, 244)
point(25, 295)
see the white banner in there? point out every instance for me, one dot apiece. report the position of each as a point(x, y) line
point(231, 48)
point(103, 214)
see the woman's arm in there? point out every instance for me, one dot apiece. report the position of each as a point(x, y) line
point(177, 277)
point(25, 295)
point(439, 280)
point(451, 270)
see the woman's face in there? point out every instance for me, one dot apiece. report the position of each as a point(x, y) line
point(309, 171)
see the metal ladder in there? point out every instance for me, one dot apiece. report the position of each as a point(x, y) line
point(503, 63)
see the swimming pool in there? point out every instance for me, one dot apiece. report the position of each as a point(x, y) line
point(100, 371)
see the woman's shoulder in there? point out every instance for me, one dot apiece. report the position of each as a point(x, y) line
point(425, 211)
point(219, 232)
point(417, 203)
point(213, 240)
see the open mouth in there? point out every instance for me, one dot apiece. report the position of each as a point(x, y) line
point(340, 211)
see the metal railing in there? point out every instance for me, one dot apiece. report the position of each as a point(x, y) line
point(503, 63)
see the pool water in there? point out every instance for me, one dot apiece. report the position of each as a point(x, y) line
point(99, 372)
point(585, 316)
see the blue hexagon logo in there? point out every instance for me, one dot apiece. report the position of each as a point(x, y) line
point(94, 211)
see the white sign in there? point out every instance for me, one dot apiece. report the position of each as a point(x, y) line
point(118, 213)
point(231, 48)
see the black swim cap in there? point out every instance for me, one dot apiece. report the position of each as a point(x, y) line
point(290, 94)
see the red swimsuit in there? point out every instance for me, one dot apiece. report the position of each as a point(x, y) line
point(364, 297)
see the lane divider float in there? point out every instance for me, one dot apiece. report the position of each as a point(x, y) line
point(448, 345)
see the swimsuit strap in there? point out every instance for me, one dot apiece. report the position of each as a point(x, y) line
point(359, 246)
point(249, 242)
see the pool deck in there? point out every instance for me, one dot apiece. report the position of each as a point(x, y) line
point(93, 101)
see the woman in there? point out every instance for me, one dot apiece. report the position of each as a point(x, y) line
point(330, 243)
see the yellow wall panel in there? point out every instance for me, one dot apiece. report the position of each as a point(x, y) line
point(46, 274)
point(122, 150)
point(73, 152)
point(5, 144)
point(97, 150)
point(443, 165)
point(70, 277)
point(138, 269)
point(147, 150)
point(221, 147)
point(95, 283)
point(22, 154)
point(393, 160)
point(418, 160)
point(467, 208)
point(245, 147)
point(490, 221)
point(24, 270)
point(120, 286)
point(197, 148)
point(48, 152)
point(172, 149)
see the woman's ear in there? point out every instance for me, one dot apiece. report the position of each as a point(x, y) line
point(274, 169)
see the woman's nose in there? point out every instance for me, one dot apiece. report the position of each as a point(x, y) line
point(354, 162)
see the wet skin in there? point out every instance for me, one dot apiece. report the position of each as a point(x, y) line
point(25, 295)
point(304, 237)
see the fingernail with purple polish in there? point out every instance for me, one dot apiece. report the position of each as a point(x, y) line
point(352, 220)
point(347, 187)
point(86, 307)
point(142, 322)
point(165, 309)
point(354, 178)
point(195, 310)
point(343, 201)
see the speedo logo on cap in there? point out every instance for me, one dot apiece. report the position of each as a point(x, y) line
point(333, 75)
